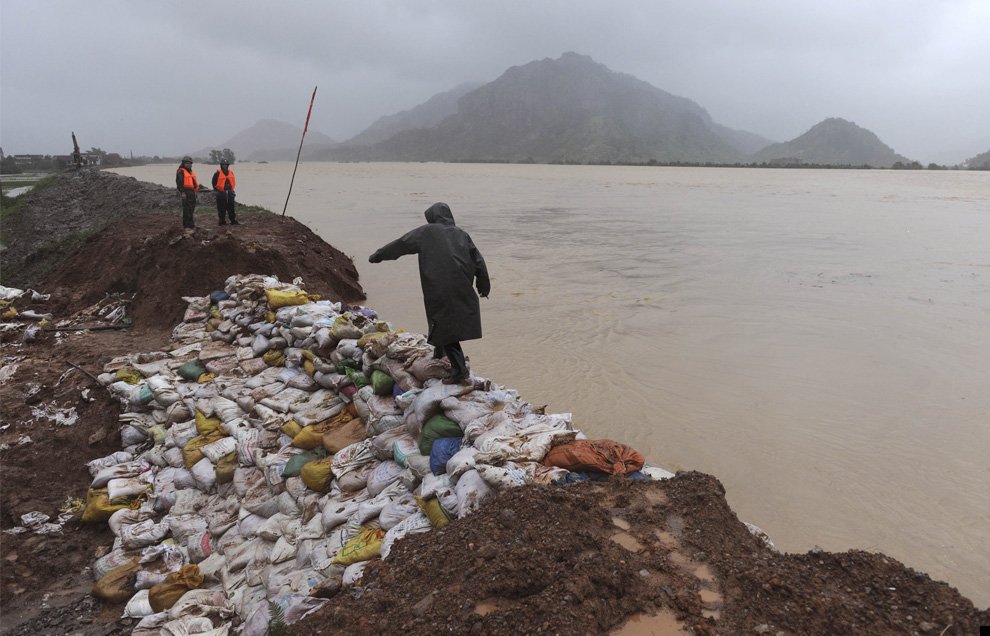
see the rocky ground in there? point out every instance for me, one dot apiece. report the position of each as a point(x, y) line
point(591, 558)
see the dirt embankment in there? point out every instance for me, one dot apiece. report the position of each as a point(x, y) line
point(592, 558)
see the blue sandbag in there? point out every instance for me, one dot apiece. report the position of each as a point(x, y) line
point(443, 449)
point(217, 296)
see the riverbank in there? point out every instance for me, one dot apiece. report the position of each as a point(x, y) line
point(538, 558)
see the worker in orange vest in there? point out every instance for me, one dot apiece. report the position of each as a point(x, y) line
point(187, 185)
point(224, 184)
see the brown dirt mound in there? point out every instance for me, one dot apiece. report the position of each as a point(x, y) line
point(155, 259)
point(636, 557)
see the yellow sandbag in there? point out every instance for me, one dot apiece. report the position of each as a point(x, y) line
point(433, 511)
point(206, 425)
point(364, 340)
point(310, 437)
point(128, 375)
point(225, 468)
point(164, 595)
point(206, 377)
point(283, 298)
point(291, 428)
point(309, 368)
point(117, 585)
point(10, 313)
point(270, 316)
point(367, 545)
point(99, 506)
point(191, 452)
point(274, 358)
point(317, 474)
point(157, 433)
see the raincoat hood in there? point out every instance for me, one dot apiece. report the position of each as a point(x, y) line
point(439, 213)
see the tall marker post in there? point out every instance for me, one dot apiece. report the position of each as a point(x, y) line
point(305, 128)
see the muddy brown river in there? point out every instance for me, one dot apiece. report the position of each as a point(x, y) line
point(817, 339)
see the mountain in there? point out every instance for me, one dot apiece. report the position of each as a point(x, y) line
point(979, 162)
point(571, 109)
point(269, 140)
point(426, 115)
point(834, 142)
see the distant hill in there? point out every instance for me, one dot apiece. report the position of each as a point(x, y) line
point(426, 115)
point(268, 140)
point(979, 162)
point(835, 142)
point(571, 109)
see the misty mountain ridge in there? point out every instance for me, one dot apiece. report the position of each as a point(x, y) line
point(269, 140)
point(426, 115)
point(566, 110)
point(834, 142)
point(571, 110)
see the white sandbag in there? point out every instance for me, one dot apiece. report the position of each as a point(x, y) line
point(461, 462)
point(215, 451)
point(138, 606)
point(141, 534)
point(352, 457)
point(186, 525)
point(205, 474)
point(384, 474)
point(180, 433)
point(383, 444)
point(354, 572)
point(403, 445)
point(283, 551)
point(129, 486)
point(357, 479)
point(147, 579)
point(151, 625)
point(247, 442)
point(174, 457)
point(336, 513)
point(120, 471)
point(237, 426)
point(413, 524)
point(200, 546)
point(127, 516)
point(472, 491)
point(178, 412)
point(187, 501)
point(112, 459)
point(396, 510)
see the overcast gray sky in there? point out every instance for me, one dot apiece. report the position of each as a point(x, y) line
point(171, 77)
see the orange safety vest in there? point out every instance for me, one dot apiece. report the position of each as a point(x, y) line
point(222, 180)
point(189, 181)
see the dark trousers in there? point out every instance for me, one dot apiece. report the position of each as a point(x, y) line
point(455, 354)
point(225, 207)
point(188, 207)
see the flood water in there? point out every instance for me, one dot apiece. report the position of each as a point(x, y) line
point(818, 340)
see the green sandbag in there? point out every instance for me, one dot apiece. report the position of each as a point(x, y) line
point(382, 382)
point(191, 371)
point(294, 465)
point(359, 379)
point(436, 427)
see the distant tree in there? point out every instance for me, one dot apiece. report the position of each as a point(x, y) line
point(216, 156)
point(97, 151)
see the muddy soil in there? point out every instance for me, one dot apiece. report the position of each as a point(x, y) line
point(591, 558)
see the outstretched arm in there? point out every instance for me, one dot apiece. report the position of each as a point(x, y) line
point(407, 244)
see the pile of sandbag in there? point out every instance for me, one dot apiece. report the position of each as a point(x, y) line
point(281, 442)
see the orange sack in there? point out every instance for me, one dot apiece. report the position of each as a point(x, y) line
point(601, 455)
